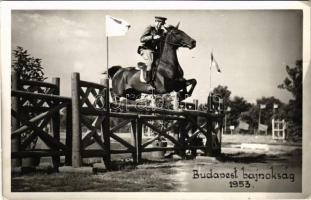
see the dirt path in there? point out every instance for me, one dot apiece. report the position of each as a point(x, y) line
point(185, 175)
point(277, 169)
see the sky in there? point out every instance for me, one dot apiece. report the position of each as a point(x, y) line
point(252, 48)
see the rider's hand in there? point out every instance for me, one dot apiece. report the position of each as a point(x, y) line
point(156, 37)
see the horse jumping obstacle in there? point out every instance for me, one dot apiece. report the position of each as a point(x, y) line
point(84, 104)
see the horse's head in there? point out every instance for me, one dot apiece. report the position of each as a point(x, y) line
point(179, 38)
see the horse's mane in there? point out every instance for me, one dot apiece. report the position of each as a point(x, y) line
point(169, 27)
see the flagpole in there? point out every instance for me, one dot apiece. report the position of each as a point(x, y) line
point(210, 76)
point(107, 50)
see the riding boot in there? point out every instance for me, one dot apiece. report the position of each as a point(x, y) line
point(145, 75)
point(148, 76)
point(148, 80)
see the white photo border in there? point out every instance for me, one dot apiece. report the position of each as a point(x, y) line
point(8, 6)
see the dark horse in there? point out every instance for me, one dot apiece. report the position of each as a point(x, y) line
point(168, 76)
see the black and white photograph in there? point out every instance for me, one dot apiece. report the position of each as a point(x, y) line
point(135, 99)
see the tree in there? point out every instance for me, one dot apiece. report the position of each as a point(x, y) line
point(238, 105)
point(224, 93)
point(26, 66)
point(293, 84)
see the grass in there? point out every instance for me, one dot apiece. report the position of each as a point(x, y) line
point(260, 139)
point(156, 176)
point(133, 180)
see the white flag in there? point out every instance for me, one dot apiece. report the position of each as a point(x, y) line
point(214, 63)
point(262, 106)
point(116, 26)
point(275, 105)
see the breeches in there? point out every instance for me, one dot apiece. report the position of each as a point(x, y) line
point(147, 55)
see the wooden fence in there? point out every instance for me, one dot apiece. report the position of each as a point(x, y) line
point(33, 107)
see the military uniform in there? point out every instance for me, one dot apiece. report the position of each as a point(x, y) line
point(150, 48)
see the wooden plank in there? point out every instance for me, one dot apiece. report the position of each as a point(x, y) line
point(55, 125)
point(120, 125)
point(209, 139)
point(95, 95)
point(30, 95)
point(150, 141)
point(30, 138)
point(91, 84)
point(93, 131)
point(123, 142)
point(68, 134)
point(162, 133)
point(160, 149)
point(87, 141)
point(197, 147)
point(106, 124)
point(148, 109)
point(34, 109)
point(47, 139)
point(106, 138)
point(102, 153)
point(98, 140)
point(134, 140)
point(139, 128)
point(123, 115)
point(91, 111)
point(195, 134)
point(76, 123)
point(38, 83)
point(196, 124)
point(37, 118)
point(157, 137)
point(15, 142)
point(89, 153)
point(160, 117)
point(85, 97)
point(37, 153)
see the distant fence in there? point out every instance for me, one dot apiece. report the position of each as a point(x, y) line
point(278, 129)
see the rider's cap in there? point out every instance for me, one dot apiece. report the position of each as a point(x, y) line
point(160, 19)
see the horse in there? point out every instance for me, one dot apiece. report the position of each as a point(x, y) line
point(168, 74)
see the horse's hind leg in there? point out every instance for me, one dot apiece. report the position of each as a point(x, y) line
point(193, 83)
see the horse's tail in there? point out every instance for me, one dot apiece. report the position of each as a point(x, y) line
point(113, 70)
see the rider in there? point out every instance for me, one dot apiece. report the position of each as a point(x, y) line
point(150, 49)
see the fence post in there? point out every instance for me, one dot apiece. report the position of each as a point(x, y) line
point(133, 140)
point(68, 157)
point(139, 128)
point(182, 138)
point(55, 125)
point(209, 139)
point(106, 124)
point(273, 136)
point(15, 123)
point(76, 125)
